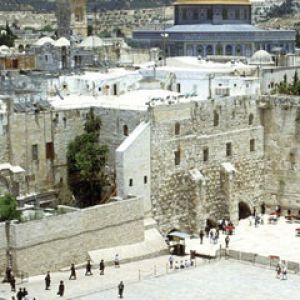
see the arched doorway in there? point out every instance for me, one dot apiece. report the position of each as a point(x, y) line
point(219, 50)
point(244, 210)
point(228, 50)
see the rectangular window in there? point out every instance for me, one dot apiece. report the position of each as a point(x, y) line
point(178, 88)
point(115, 89)
point(35, 152)
point(130, 182)
point(205, 154)
point(50, 151)
point(228, 149)
point(145, 179)
point(252, 145)
point(177, 157)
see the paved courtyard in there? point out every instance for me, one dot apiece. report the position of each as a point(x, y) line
point(217, 280)
point(221, 280)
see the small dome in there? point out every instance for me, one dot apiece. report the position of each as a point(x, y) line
point(92, 42)
point(62, 42)
point(45, 40)
point(261, 57)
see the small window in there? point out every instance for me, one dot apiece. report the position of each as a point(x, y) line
point(252, 145)
point(177, 157)
point(216, 119)
point(35, 152)
point(205, 154)
point(130, 182)
point(178, 88)
point(145, 179)
point(50, 151)
point(177, 129)
point(251, 118)
point(228, 149)
point(125, 130)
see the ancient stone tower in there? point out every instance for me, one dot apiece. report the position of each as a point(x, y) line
point(71, 17)
point(78, 17)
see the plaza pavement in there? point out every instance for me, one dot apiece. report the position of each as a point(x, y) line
point(216, 281)
point(265, 240)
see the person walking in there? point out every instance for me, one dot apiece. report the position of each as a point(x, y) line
point(284, 273)
point(47, 281)
point(19, 294)
point(121, 289)
point(88, 268)
point(278, 271)
point(13, 283)
point(201, 235)
point(61, 289)
point(117, 261)
point(171, 261)
point(102, 267)
point(73, 272)
point(227, 239)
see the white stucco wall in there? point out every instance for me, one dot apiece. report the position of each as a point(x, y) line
point(133, 165)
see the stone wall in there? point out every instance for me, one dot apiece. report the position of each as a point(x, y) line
point(58, 241)
point(281, 120)
point(178, 200)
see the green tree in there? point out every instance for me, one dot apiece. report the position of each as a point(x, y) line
point(86, 160)
point(8, 208)
point(7, 38)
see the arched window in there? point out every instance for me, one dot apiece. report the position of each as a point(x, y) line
point(238, 50)
point(228, 50)
point(21, 48)
point(216, 119)
point(27, 48)
point(209, 50)
point(219, 50)
point(251, 118)
point(177, 128)
point(125, 130)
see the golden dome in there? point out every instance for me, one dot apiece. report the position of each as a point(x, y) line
point(229, 2)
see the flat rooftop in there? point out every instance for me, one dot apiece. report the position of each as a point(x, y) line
point(134, 100)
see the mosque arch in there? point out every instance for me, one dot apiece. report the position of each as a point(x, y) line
point(219, 49)
point(209, 50)
point(244, 210)
point(228, 50)
point(238, 50)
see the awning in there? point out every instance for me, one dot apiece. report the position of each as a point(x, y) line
point(180, 234)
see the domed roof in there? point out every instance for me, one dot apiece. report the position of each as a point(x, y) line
point(44, 40)
point(91, 42)
point(62, 42)
point(261, 57)
point(199, 2)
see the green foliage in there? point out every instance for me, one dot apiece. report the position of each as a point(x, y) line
point(8, 208)
point(47, 28)
point(292, 88)
point(85, 160)
point(7, 38)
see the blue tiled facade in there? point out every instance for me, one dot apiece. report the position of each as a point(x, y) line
point(214, 30)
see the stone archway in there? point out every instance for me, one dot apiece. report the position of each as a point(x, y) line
point(244, 210)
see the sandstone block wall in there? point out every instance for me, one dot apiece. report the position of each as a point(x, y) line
point(174, 196)
point(281, 120)
point(55, 242)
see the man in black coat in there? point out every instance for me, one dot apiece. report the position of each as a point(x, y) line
point(73, 272)
point(13, 283)
point(102, 267)
point(121, 289)
point(61, 289)
point(47, 281)
point(88, 268)
point(19, 294)
point(201, 235)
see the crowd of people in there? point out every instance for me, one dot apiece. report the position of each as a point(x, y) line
point(23, 294)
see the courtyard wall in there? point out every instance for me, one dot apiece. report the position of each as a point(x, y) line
point(58, 241)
